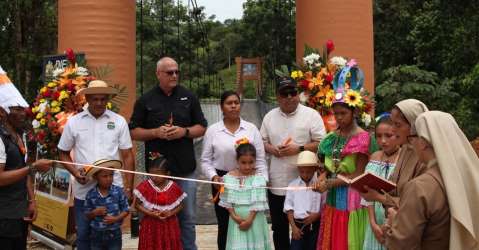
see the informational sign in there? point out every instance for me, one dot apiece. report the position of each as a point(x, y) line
point(54, 184)
point(55, 62)
point(52, 216)
point(248, 69)
point(52, 193)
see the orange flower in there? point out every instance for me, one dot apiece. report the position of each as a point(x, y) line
point(318, 80)
point(243, 140)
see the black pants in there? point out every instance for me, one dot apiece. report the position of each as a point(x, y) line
point(13, 234)
point(222, 216)
point(279, 221)
point(308, 240)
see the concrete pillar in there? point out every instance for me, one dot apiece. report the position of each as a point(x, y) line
point(106, 31)
point(349, 23)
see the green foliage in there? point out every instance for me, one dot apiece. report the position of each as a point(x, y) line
point(283, 71)
point(405, 81)
point(467, 111)
point(438, 40)
point(28, 31)
point(269, 31)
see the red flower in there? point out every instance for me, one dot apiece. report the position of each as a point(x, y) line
point(329, 46)
point(70, 56)
point(52, 125)
point(41, 136)
point(47, 94)
point(368, 107)
point(56, 95)
point(70, 87)
point(304, 84)
point(329, 78)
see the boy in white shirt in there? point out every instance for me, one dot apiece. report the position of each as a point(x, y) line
point(303, 206)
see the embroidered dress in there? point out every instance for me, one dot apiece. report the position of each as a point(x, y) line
point(343, 218)
point(384, 169)
point(243, 198)
point(155, 233)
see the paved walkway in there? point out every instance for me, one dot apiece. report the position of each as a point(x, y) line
point(205, 239)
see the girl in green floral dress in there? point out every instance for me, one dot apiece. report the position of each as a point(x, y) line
point(245, 200)
point(382, 163)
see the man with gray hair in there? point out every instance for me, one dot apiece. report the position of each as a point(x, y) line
point(167, 118)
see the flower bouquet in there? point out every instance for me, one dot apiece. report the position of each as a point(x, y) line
point(316, 76)
point(55, 103)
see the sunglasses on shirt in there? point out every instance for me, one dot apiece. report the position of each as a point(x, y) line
point(172, 72)
point(289, 92)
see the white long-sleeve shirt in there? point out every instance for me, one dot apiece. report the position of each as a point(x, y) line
point(219, 148)
point(302, 202)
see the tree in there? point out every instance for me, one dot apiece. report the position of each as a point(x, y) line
point(28, 31)
point(408, 81)
point(430, 36)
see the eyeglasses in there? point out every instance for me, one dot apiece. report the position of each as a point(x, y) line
point(172, 72)
point(286, 93)
point(410, 138)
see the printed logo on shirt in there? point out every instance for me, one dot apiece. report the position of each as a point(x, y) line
point(110, 125)
point(184, 98)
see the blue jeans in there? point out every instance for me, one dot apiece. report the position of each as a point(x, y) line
point(105, 240)
point(82, 225)
point(187, 216)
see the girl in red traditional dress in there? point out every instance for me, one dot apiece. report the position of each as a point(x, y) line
point(160, 200)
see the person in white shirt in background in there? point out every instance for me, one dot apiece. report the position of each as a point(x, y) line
point(287, 130)
point(219, 154)
point(94, 134)
point(303, 206)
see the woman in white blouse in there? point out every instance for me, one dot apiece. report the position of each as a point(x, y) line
point(219, 156)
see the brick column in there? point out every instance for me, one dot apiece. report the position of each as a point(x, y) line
point(349, 23)
point(106, 31)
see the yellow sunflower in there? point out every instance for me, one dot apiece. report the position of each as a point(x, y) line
point(353, 98)
point(329, 98)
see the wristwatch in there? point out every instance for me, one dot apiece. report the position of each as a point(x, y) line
point(187, 133)
point(301, 148)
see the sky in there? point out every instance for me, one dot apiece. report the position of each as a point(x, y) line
point(223, 9)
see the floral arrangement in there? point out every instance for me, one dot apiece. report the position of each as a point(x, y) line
point(317, 78)
point(243, 140)
point(55, 103)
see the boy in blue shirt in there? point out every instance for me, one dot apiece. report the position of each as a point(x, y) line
point(106, 206)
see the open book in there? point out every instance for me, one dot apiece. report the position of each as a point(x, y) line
point(368, 179)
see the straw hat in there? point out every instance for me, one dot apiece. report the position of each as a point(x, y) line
point(113, 164)
point(307, 158)
point(98, 87)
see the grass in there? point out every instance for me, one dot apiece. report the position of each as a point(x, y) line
point(213, 85)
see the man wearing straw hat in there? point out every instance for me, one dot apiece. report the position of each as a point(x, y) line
point(96, 133)
point(17, 201)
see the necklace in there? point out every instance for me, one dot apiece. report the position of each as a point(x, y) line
point(336, 153)
point(387, 159)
